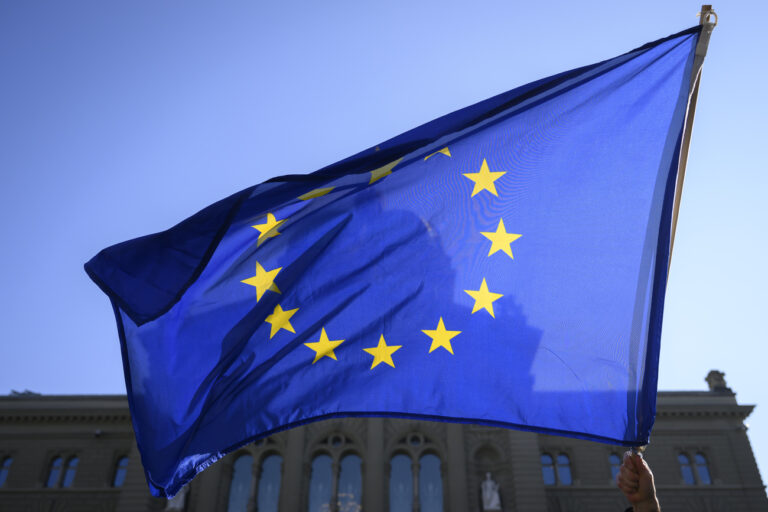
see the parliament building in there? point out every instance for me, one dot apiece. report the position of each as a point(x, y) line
point(78, 453)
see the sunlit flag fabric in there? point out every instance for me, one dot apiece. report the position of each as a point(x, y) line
point(504, 265)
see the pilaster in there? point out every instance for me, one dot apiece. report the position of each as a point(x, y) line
point(290, 488)
point(456, 470)
point(373, 467)
point(526, 472)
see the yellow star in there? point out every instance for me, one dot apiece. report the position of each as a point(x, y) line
point(318, 192)
point(445, 151)
point(324, 347)
point(382, 353)
point(484, 179)
point(500, 239)
point(280, 319)
point(385, 170)
point(263, 280)
point(483, 298)
point(441, 337)
point(268, 229)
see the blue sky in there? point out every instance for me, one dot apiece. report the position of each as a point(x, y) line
point(120, 119)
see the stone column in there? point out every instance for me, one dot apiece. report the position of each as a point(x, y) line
point(291, 482)
point(415, 467)
point(210, 489)
point(373, 467)
point(456, 466)
point(256, 474)
point(526, 472)
point(335, 466)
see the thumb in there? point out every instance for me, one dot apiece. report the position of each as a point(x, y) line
point(639, 464)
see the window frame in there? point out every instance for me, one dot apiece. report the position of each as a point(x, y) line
point(692, 455)
point(568, 464)
point(425, 453)
point(336, 443)
point(342, 457)
point(409, 458)
point(259, 472)
point(558, 452)
point(5, 467)
point(682, 464)
point(49, 468)
point(259, 451)
point(707, 467)
point(551, 465)
point(250, 480)
point(116, 468)
point(66, 462)
point(617, 466)
point(333, 476)
point(415, 444)
point(70, 468)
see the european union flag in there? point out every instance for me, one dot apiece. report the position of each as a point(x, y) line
point(503, 265)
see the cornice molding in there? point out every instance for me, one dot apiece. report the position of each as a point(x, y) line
point(16, 417)
point(692, 411)
point(114, 409)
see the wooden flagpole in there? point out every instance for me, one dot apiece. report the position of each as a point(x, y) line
point(705, 18)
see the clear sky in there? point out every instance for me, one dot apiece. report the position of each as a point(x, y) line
point(119, 119)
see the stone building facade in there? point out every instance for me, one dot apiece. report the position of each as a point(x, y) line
point(77, 453)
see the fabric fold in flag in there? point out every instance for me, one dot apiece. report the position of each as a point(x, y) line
point(503, 265)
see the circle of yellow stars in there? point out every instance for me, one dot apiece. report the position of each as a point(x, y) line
point(280, 319)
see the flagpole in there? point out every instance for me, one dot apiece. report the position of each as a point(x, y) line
point(705, 18)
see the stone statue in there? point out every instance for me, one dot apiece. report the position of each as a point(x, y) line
point(716, 381)
point(490, 489)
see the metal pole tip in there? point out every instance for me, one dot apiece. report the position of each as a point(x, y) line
point(706, 15)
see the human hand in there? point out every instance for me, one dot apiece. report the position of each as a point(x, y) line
point(635, 480)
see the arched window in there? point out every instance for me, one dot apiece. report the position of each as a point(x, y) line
point(430, 484)
point(121, 468)
point(564, 470)
point(54, 472)
point(400, 484)
point(269, 484)
point(548, 469)
point(559, 473)
point(350, 492)
point(69, 473)
point(5, 467)
point(415, 476)
point(240, 486)
point(685, 469)
point(615, 462)
point(702, 470)
point(336, 481)
point(320, 484)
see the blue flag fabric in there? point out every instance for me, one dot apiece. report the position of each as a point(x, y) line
point(503, 265)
